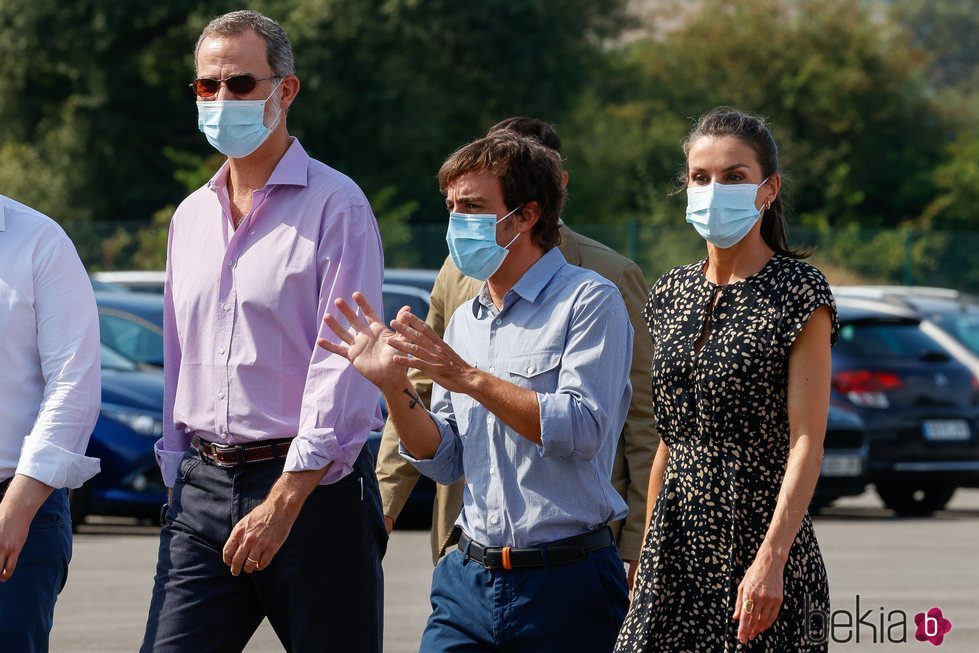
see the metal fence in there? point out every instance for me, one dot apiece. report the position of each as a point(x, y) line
point(849, 255)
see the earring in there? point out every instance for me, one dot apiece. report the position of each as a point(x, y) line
point(768, 205)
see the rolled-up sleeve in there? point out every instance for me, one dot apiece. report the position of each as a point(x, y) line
point(593, 385)
point(70, 355)
point(446, 466)
point(340, 407)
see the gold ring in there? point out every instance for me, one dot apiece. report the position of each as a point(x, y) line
point(254, 562)
point(747, 606)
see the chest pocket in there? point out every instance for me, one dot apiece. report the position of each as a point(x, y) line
point(536, 371)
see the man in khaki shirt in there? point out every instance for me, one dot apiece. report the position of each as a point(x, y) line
point(638, 442)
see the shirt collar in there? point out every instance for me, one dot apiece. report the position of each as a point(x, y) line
point(530, 285)
point(291, 170)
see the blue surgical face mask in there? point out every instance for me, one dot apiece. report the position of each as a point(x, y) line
point(236, 128)
point(473, 246)
point(723, 214)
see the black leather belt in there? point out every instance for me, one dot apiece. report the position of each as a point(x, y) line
point(559, 552)
point(232, 455)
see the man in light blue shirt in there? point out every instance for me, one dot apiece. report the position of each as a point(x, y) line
point(531, 392)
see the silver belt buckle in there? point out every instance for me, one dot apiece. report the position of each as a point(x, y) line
point(224, 448)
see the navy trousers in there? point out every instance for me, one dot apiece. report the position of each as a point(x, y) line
point(27, 599)
point(323, 590)
point(574, 607)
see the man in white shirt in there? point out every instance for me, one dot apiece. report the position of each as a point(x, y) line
point(50, 389)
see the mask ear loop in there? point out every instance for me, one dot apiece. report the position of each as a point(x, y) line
point(507, 246)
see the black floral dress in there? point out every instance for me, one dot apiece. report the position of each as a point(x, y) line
point(720, 380)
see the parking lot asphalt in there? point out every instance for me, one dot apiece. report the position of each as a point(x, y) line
point(895, 566)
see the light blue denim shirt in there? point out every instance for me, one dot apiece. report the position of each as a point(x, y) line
point(563, 332)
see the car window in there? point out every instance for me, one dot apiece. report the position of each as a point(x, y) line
point(393, 301)
point(131, 338)
point(114, 361)
point(963, 327)
point(885, 340)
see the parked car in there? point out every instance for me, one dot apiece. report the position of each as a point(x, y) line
point(955, 312)
point(844, 457)
point(919, 405)
point(412, 288)
point(130, 421)
point(145, 281)
point(132, 325)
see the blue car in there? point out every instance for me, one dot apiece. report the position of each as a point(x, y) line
point(130, 421)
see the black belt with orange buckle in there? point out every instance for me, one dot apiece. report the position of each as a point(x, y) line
point(233, 455)
point(559, 552)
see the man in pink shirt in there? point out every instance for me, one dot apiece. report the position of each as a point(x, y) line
point(274, 509)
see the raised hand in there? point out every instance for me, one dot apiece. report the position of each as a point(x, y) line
point(366, 342)
point(421, 348)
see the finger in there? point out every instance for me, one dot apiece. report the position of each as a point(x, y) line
point(231, 546)
point(8, 566)
point(420, 325)
point(366, 307)
point(414, 336)
point(253, 562)
point(353, 319)
point(333, 347)
point(430, 369)
point(738, 603)
point(338, 329)
point(745, 623)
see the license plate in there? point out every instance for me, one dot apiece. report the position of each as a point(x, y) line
point(842, 465)
point(946, 430)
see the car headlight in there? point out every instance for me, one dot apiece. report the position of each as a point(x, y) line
point(142, 421)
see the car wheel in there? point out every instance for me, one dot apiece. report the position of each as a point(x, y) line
point(78, 506)
point(821, 501)
point(915, 500)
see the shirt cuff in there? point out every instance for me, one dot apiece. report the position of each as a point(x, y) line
point(315, 450)
point(54, 466)
point(556, 439)
point(442, 467)
point(169, 462)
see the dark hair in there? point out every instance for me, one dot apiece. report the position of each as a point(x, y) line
point(753, 132)
point(528, 172)
point(277, 46)
point(538, 130)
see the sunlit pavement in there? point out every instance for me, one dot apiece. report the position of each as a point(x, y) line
point(894, 565)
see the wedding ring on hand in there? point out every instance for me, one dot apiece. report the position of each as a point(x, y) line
point(747, 606)
point(254, 562)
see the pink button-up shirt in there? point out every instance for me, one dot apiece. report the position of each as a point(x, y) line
point(243, 309)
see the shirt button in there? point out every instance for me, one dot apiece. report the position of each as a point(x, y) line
point(221, 350)
point(492, 470)
point(227, 307)
point(220, 394)
point(499, 321)
point(494, 519)
point(530, 370)
point(492, 370)
point(224, 436)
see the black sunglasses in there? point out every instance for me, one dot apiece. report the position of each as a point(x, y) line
point(238, 84)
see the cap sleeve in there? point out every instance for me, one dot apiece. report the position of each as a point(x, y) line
point(807, 290)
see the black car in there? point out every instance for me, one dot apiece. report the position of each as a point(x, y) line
point(919, 405)
point(844, 457)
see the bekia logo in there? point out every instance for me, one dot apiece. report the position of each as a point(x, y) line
point(932, 626)
point(874, 625)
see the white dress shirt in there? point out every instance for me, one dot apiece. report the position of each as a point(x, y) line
point(50, 374)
